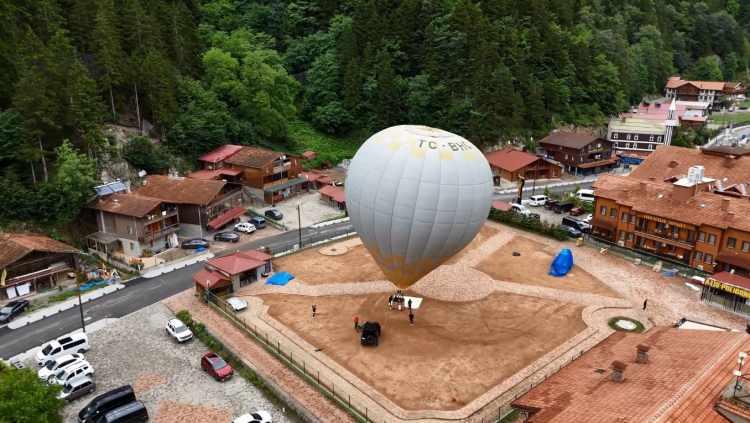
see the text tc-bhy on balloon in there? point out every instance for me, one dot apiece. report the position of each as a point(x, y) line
point(416, 196)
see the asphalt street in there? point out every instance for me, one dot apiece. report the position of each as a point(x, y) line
point(540, 190)
point(140, 293)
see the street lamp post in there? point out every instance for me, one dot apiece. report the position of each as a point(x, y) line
point(299, 223)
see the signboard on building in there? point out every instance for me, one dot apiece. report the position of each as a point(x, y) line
point(740, 292)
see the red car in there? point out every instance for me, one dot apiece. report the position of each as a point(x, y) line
point(216, 366)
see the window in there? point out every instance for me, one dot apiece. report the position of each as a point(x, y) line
point(745, 247)
point(630, 236)
point(130, 230)
point(711, 239)
point(613, 212)
point(701, 237)
point(624, 217)
point(635, 137)
point(698, 257)
point(651, 138)
point(708, 258)
point(731, 242)
point(632, 218)
point(622, 235)
point(615, 135)
point(628, 137)
point(603, 211)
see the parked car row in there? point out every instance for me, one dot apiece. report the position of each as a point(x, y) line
point(116, 406)
point(62, 363)
point(253, 224)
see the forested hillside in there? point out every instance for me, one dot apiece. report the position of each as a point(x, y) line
point(208, 72)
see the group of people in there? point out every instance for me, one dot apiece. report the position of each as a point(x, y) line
point(397, 300)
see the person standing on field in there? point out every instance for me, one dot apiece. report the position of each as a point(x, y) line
point(411, 317)
point(356, 322)
point(314, 309)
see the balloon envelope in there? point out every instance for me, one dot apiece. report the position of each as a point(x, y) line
point(416, 196)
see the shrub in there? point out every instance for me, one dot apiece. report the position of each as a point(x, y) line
point(529, 224)
point(186, 318)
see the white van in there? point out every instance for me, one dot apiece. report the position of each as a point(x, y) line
point(53, 366)
point(585, 195)
point(74, 343)
point(67, 374)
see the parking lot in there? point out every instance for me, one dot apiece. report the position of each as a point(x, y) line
point(312, 210)
point(165, 375)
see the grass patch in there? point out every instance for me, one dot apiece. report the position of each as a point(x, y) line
point(736, 118)
point(304, 137)
point(638, 325)
point(510, 417)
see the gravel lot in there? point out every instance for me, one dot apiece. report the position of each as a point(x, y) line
point(313, 210)
point(165, 375)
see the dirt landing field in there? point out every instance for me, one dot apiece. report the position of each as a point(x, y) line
point(454, 353)
point(484, 234)
point(532, 265)
point(314, 268)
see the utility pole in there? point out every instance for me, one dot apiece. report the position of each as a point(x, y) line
point(299, 223)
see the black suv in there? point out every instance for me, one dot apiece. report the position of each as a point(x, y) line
point(227, 237)
point(370, 333)
point(273, 214)
point(12, 309)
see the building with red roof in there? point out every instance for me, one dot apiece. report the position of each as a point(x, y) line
point(680, 376)
point(231, 272)
point(215, 159)
point(708, 91)
point(510, 164)
point(334, 195)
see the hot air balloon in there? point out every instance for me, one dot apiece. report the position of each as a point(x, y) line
point(416, 196)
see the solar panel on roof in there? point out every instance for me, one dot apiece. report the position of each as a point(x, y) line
point(110, 188)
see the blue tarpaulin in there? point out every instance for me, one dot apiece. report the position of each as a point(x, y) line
point(280, 278)
point(562, 264)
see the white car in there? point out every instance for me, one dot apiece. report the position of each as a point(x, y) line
point(520, 209)
point(258, 416)
point(586, 195)
point(77, 342)
point(537, 200)
point(245, 227)
point(65, 375)
point(588, 218)
point(177, 330)
point(237, 304)
point(61, 362)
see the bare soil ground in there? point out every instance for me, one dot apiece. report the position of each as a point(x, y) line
point(314, 268)
point(484, 234)
point(532, 265)
point(454, 353)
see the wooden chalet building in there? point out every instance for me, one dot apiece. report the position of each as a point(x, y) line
point(272, 175)
point(711, 92)
point(509, 164)
point(579, 153)
point(32, 262)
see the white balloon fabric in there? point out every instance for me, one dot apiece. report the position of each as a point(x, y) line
point(416, 196)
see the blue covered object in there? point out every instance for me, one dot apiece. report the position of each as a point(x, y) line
point(280, 278)
point(562, 264)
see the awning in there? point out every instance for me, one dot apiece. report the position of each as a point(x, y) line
point(734, 259)
point(225, 218)
point(597, 164)
point(285, 185)
point(103, 237)
point(210, 280)
point(728, 282)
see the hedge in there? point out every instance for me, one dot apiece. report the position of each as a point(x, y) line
point(532, 225)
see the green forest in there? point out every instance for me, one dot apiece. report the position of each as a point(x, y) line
point(197, 74)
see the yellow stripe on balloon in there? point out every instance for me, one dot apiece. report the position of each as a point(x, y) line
point(446, 155)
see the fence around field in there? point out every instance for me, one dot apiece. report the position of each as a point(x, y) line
point(310, 241)
point(645, 258)
point(274, 347)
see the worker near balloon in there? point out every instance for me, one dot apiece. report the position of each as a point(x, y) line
point(416, 196)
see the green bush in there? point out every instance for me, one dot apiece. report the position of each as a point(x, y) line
point(532, 225)
point(186, 318)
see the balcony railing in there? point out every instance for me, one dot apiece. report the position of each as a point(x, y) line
point(162, 215)
point(665, 238)
point(151, 235)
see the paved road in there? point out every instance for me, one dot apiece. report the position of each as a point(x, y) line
point(528, 193)
point(140, 293)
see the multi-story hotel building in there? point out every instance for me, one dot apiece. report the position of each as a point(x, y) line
point(685, 205)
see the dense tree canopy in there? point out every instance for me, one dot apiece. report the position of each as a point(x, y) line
point(27, 399)
point(208, 72)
